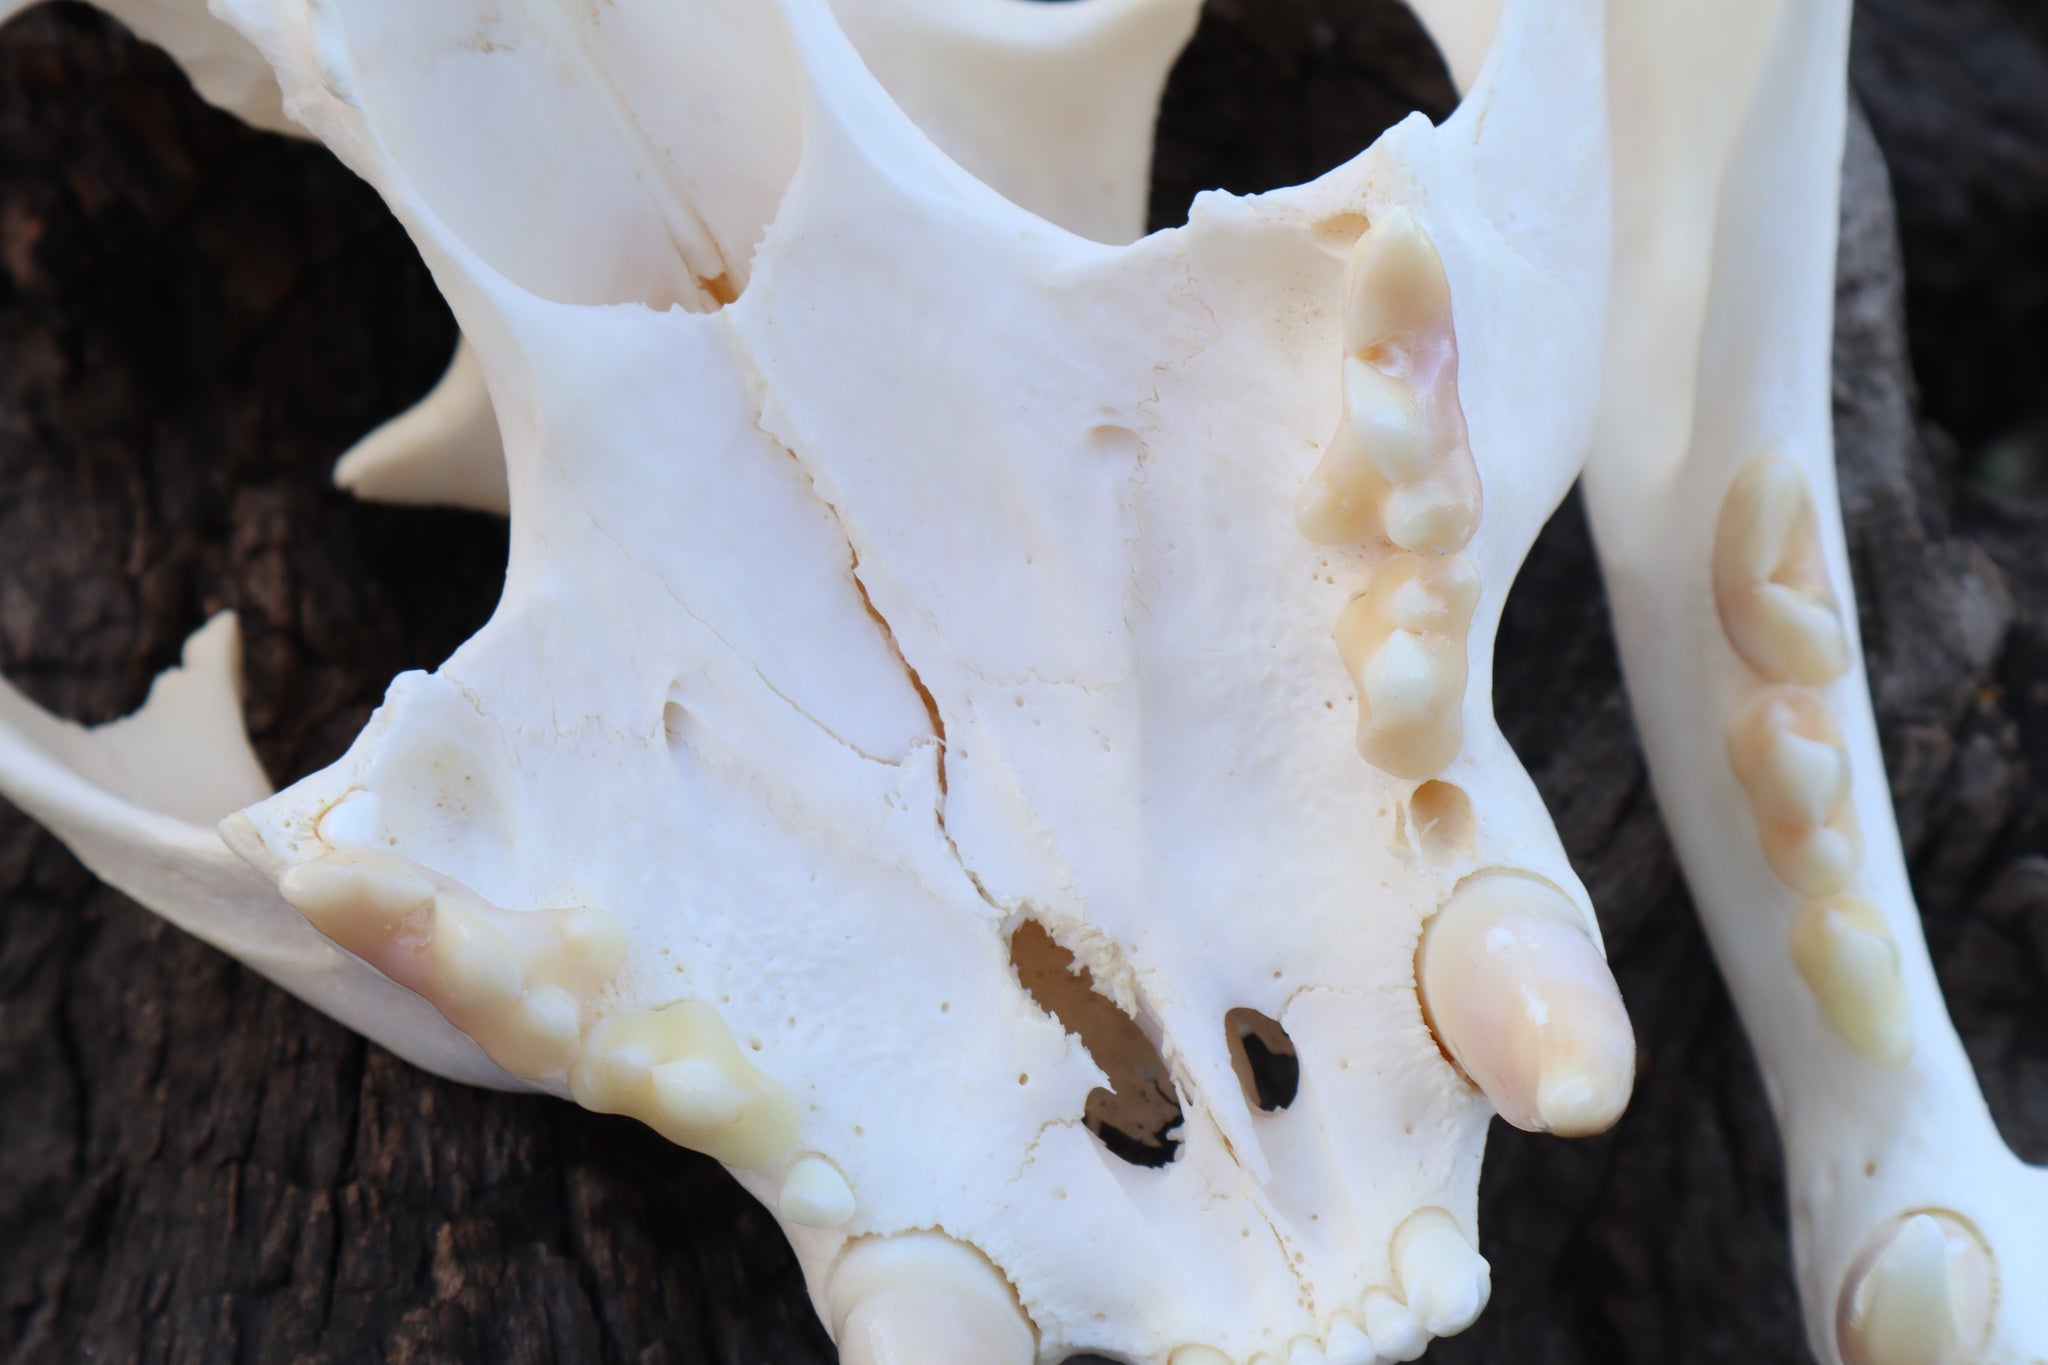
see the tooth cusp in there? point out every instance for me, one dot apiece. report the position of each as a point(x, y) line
point(1444, 1279)
point(1404, 642)
point(815, 1195)
point(1396, 1333)
point(678, 1070)
point(1348, 1344)
point(1921, 1293)
point(1845, 951)
point(1790, 759)
point(1770, 580)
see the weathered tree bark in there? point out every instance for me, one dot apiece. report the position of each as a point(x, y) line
point(195, 319)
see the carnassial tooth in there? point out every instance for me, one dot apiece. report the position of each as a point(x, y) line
point(1403, 641)
point(1845, 950)
point(1790, 759)
point(1521, 998)
point(1770, 580)
point(1443, 1277)
point(1396, 1332)
point(1921, 1293)
point(922, 1298)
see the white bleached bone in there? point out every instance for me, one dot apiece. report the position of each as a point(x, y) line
point(890, 566)
point(1711, 490)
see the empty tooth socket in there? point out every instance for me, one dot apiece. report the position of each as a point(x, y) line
point(1770, 581)
point(1790, 759)
point(1845, 951)
point(514, 980)
point(678, 1070)
point(1403, 641)
point(1921, 1292)
point(1400, 464)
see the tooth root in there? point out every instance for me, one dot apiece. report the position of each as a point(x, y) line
point(1920, 1294)
point(1403, 640)
point(1770, 581)
point(1790, 759)
point(815, 1195)
point(1349, 1345)
point(1521, 999)
point(1397, 1334)
point(1846, 953)
point(923, 1298)
point(678, 1070)
point(1443, 1277)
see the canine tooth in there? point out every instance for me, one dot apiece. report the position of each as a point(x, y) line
point(1770, 581)
point(1394, 281)
point(1443, 1277)
point(1397, 1334)
point(1846, 952)
point(1521, 998)
point(1920, 1294)
point(1389, 426)
point(815, 1195)
point(1790, 759)
point(344, 898)
point(1403, 641)
point(922, 1298)
point(356, 819)
point(1348, 1345)
point(678, 1070)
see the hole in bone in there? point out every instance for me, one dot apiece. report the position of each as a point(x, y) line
point(1305, 85)
point(1135, 1115)
point(1264, 1058)
point(1440, 817)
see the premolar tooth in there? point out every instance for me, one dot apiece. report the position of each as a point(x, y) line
point(1790, 759)
point(921, 1298)
point(344, 897)
point(1348, 1345)
point(1520, 997)
point(356, 819)
point(1443, 1277)
point(815, 1195)
point(678, 1070)
point(1920, 1294)
point(1770, 581)
point(1394, 282)
point(1403, 640)
point(1397, 1334)
point(1389, 425)
point(1846, 952)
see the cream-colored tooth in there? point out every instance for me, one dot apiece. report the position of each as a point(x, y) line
point(698, 1092)
point(551, 1021)
point(1198, 1355)
point(1770, 580)
point(1397, 1334)
point(1788, 755)
point(815, 1195)
point(355, 820)
point(1394, 282)
point(596, 940)
point(474, 967)
point(1403, 641)
point(1435, 516)
point(1845, 951)
point(1921, 1293)
point(1327, 516)
point(1521, 998)
point(1444, 1279)
point(922, 1298)
point(351, 903)
point(678, 1070)
point(1348, 1344)
point(1387, 423)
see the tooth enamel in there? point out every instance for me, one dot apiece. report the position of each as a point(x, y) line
point(1443, 1277)
point(474, 968)
point(815, 1195)
point(1387, 423)
point(1397, 1334)
point(1394, 282)
point(921, 1298)
point(1403, 641)
point(1519, 996)
point(356, 819)
point(551, 1021)
point(1920, 1294)
point(1770, 581)
point(678, 1070)
point(1845, 951)
point(1436, 517)
point(338, 896)
point(1789, 757)
point(1349, 1345)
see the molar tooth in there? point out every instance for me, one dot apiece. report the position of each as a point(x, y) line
point(1435, 516)
point(1770, 580)
point(1388, 425)
point(922, 1298)
point(1520, 997)
point(815, 1195)
point(678, 1070)
point(1790, 759)
point(1845, 950)
point(1349, 1345)
point(1403, 641)
point(1443, 1277)
point(1920, 1294)
point(1396, 1332)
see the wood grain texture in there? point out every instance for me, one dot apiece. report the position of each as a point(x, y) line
point(196, 319)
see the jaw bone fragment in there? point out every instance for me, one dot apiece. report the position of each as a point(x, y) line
point(946, 579)
point(1920, 1239)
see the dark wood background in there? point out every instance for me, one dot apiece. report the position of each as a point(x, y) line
point(194, 321)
